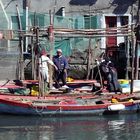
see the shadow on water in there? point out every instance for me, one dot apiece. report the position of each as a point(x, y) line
point(116, 127)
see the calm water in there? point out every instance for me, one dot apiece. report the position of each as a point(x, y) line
point(124, 127)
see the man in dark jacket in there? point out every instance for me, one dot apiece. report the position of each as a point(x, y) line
point(62, 64)
point(110, 74)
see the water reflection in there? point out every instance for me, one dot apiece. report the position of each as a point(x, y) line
point(123, 127)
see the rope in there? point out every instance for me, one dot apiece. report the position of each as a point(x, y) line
point(37, 110)
point(59, 109)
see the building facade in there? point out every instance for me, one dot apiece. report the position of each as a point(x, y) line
point(75, 14)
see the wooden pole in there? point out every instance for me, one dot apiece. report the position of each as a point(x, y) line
point(40, 78)
point(136, 60)
point(89, 59)
point(21, 69)
point(133, 61)
point(51, 40)
point(26, 14)
point(127, 57)
point(33, 58)
point(137, 43)
point(132, 53)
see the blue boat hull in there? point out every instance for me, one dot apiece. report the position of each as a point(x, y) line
point(18, 110)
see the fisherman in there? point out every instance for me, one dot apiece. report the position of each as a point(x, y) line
point(43, 64)
point(62, 65)
point(110, 74)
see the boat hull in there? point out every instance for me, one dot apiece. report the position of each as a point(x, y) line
point(28, 108)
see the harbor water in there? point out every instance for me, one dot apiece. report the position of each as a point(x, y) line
point(113, 127)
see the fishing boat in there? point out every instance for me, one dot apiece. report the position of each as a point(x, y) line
point(48, 106)
point(68, 104)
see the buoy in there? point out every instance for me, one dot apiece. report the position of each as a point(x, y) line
point(116, 107)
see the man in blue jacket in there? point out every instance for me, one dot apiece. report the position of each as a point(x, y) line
point(62, 65)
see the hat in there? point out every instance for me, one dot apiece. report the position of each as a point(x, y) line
point(59, 50)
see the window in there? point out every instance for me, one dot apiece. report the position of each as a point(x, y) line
point(38, 19)
point(124, 20)
point(90, 22)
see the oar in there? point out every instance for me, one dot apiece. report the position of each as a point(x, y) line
point(5, 82)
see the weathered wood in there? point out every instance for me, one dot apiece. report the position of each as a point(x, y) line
point(51, 40)
point(133, 57)
point(136, 60)
point(33, 60)
point(21, 69)
point(137, 43)
point(128, 57)
point(89, 59)
point(40, 78)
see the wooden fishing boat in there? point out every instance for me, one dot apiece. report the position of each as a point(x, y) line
point(25, 87)
point(24, 105)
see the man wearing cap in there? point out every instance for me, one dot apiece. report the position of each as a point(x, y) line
point(62, 65)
